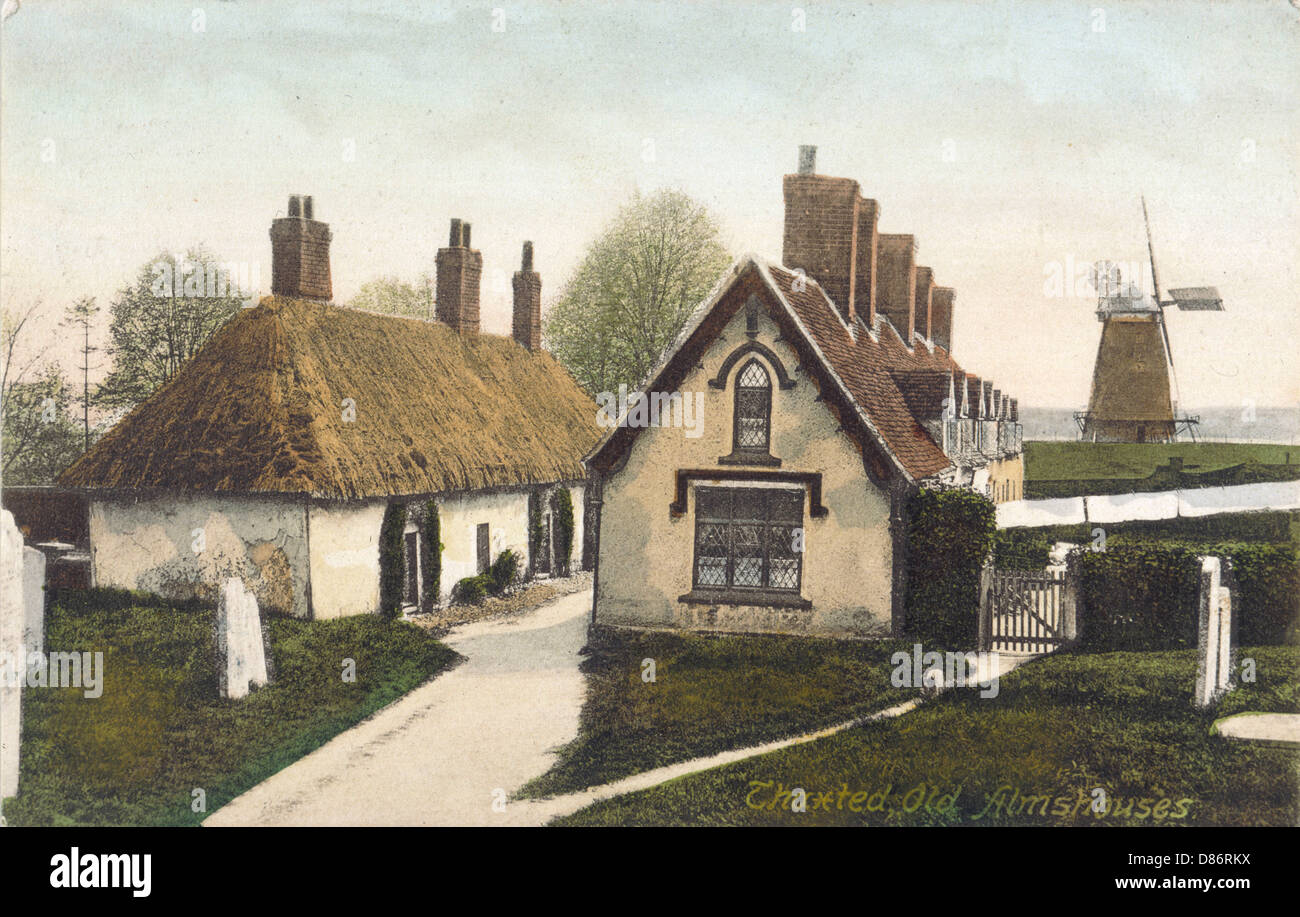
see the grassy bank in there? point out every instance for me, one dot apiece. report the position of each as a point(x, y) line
point(135, 755)
point(712, 694)
point(1060, 729)
point(1065, 469)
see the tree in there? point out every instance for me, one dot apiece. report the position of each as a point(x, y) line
point(40, 436)
point(80, 315)
point(396, 297)
point(636, 286)
point(37, 437)
point(174, 307)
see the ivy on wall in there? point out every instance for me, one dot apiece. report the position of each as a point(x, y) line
point(392, 561)
point(431, 556)
point(562, 520)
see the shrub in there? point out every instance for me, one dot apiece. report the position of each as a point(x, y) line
point(1147, 597)
point(392, 561)
point(501, 575)
point(562, 519)
point(431, 557)
point(1021, 549)
point(950, 534)
point(1137, 597)
point(1267, 610)
point(471, 590)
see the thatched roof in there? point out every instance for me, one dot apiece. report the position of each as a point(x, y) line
point(260, 409)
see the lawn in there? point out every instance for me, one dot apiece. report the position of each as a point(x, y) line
point(711, 694)
point(1071, 739)
point(1055, 461)
point(135, 755)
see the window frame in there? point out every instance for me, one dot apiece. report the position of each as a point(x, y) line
point(755, 454)
point(769, 517)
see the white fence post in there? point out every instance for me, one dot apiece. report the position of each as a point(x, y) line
point(1214, 635)
point(239, 640)
point(22, 631)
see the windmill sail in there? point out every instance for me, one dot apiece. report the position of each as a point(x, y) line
point(1197, 299)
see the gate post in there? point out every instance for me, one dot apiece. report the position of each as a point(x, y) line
point(986, 607)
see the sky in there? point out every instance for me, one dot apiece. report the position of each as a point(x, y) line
point(1013, 139)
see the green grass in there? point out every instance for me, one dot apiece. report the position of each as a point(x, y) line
point(134, 755)
point(1057, 461)
point(1060, 728)
point(712, 694)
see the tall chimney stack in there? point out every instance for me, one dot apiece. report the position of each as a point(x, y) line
point(921, 314)
point(527, 325)
point(300, 253)
point(897, 295)
point(459, 272)
point(821, 230)
point(867, 279)
point(941, 305)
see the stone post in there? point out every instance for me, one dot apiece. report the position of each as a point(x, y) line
point(1214, 635)
point(242, 650)
point(22, 631)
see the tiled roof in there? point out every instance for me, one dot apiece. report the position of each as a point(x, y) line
point(864, 364)
point(877, 371)
point(924, 390)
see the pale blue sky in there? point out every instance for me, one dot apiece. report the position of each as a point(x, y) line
point(1006, 136)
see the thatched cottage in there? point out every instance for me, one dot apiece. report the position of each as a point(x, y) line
point(827, 394)
point(274, 454)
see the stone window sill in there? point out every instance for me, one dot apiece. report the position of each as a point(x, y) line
point(741, 457)
point(760, 597)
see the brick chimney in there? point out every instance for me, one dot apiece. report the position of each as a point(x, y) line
point(896, 266)
point(459, 272)
point(941, 303)
point(866, 282)
point(300, 253)
point(921, 316)
point(821, 230)
point(527, 325)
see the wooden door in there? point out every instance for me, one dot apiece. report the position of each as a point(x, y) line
point(484, 548)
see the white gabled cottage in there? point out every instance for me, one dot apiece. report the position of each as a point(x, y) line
point(828, 395)
point(275, 452)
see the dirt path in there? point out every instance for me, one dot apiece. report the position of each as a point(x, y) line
point(445, 752)
point(455, 750)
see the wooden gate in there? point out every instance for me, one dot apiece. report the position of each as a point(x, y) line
point(1025, 611)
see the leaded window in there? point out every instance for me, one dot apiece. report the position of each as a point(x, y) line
point(748, 538)
point(753, 430)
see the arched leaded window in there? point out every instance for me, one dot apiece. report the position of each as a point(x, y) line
point(753, 425)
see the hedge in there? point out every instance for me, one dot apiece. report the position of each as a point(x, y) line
point(950, 534)
point(1137, 598)
point(1268, 593)
point(1146, 597)
point(1021, 549)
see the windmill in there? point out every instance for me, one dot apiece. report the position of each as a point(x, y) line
point(1131, 401)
